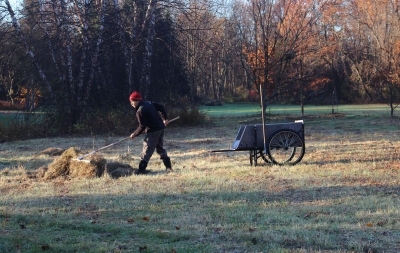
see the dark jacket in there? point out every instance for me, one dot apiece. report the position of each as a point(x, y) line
point(149, 118)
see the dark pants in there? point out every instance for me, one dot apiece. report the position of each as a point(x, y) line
point(154, 141)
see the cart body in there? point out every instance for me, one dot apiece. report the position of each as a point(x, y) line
point(250, 137)
point(284, 142)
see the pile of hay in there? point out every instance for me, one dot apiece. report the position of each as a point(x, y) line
point(117, 170)
point(67, 165)
point(87, 168)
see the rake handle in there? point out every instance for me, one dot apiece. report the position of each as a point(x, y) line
point(169, 121)
point(112, 144)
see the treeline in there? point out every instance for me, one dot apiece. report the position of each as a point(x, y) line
point(84, 55)
point(80, 56)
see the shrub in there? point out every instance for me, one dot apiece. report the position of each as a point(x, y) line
point(242, 94)
point(189, 113)
point(189, 116)
point(97, 121)
point(124, 121)
point(115, 121)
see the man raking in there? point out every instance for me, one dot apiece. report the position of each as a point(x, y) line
point(151, 122)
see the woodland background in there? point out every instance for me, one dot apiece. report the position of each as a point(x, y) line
point(77, 58)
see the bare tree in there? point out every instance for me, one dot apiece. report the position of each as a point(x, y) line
point(375, 65)
point(277, 33)
point(28, 49)
point(148, 25)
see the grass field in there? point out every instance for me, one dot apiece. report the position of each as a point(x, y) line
point(8, 116)
point(247, 109)
point(342, 197)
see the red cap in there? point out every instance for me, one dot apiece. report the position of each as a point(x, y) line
point(135, 96)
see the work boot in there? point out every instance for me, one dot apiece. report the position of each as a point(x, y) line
point(167, 163)
point(142, 168)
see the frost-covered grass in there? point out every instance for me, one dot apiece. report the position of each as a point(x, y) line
point(342, 197)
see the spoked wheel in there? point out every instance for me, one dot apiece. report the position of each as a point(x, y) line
point(286, 147)
point(264, 157)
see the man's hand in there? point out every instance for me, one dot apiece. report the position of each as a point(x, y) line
point(132, 136)
point(166, 122)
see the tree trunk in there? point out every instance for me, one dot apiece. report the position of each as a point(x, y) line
point(65, 39)
point(134, 39)
point(149, 23)
point(49, 43)
point(29, 52)
point(94, 58)
point(125, 51)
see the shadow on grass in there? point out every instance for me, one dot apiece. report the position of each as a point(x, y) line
point(318, 218)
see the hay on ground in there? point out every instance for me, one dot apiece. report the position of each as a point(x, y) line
point(117, 170)
point(87, 168)
point(67, 165)
point(40, 172)
point(60, 165)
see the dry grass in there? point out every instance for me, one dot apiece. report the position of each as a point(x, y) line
point(342, 197)
point(68, 166)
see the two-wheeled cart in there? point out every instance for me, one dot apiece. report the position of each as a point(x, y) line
point(284, 142)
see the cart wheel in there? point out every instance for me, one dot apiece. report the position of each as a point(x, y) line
point(255, 154)
point(286, 147)
point(264, 157)
point(253, 158)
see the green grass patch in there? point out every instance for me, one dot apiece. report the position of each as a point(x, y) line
point(254, 109)
point(8, 117)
